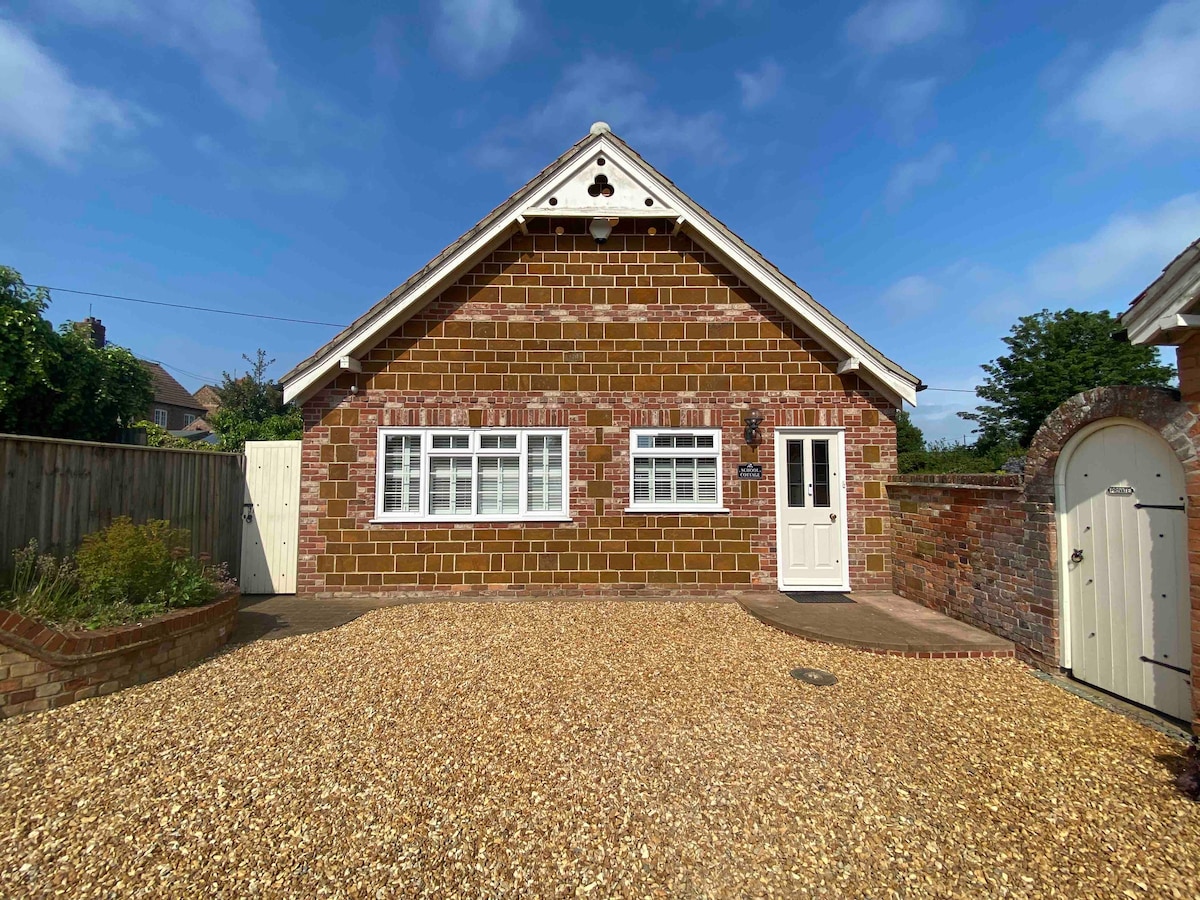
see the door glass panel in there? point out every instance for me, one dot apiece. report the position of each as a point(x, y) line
point(795, 473)
point(820, 451)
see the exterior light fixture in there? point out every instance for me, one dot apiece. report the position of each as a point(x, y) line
point(753, 419)
point(601, 229)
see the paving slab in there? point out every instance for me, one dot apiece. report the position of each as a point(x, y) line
point(882, 622)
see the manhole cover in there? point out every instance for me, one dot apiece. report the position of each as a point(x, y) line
point(813, 676)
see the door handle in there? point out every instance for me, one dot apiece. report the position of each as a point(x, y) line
point(833, 517)
point(1076, 556)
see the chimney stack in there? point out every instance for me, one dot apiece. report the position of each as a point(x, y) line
point(97, 330)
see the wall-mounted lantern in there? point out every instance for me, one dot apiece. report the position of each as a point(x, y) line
point(753, 419)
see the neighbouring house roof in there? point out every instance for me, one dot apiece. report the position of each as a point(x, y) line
point(198, 425)
point(169, 391)
point(1166, 311)
point(562, 190)
point(208, 397)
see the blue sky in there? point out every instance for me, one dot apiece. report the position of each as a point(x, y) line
point(928, 169)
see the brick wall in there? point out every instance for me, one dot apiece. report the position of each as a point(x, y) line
point(553, 331)
point(1188, 363)
point(973, 547)
point(42, 668)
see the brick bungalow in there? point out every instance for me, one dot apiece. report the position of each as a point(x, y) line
point(597, 388)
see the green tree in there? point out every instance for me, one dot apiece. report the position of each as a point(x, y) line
point(1053, 356)
point(252, 408)
point(157, 436)
point(57, 383)
point(27, 347)
point(909, 438)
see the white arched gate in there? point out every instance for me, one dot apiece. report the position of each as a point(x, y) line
point(1123, 562)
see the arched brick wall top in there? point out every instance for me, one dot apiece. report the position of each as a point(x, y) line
point(1158, 408)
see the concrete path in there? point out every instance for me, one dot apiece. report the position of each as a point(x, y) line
point(883, 623)
point(273, 616)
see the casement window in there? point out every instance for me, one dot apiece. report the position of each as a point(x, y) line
point(160, 417)
point(188, 418)
point(471, 475)
point(675, 470)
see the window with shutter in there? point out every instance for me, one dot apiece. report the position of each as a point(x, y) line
point(675, 470)
point(471, 474)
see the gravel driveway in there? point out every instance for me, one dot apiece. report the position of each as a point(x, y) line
point(610, 749)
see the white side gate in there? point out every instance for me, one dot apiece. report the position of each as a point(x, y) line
point(1123, 528)
point(271, 517)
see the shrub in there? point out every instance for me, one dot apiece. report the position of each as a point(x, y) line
point(124, 573)
point(41, 584)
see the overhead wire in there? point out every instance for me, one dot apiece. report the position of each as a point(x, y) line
point(246, 315)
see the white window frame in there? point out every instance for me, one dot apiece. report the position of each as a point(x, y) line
point(713, 452)
point(166, 417)
point(188, 419)
point(473, 452)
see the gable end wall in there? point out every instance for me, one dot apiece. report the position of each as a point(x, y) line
point(552, 331)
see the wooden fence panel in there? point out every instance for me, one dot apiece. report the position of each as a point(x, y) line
point(59, 491)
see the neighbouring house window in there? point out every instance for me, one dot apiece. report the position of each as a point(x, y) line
point(675, 470)
point(160, 417)
point(471, 474)
point(188, 418)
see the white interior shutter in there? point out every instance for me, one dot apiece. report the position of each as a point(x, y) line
point(545, 473)
point(402, 473)
point(449, 486)
point(498, 484)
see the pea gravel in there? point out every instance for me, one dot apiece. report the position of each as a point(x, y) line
point(588, 749)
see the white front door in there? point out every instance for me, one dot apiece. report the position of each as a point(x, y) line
point(811, 508)
point(1124, 532)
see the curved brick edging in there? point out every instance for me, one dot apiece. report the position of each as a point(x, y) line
point(44, 668)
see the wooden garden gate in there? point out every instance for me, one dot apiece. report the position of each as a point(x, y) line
point(271, 517)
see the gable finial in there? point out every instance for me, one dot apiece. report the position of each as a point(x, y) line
point(600, 128)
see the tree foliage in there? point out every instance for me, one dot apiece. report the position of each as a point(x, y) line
point(909, 438)
point(157, 436)
point(252, 408)
point(1053, 356)
point(57, 383)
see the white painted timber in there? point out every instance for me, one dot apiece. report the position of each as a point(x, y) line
point(850, 364)
point(350, 364)
point(271, 517)
point(810, 503)
point(1124, 557)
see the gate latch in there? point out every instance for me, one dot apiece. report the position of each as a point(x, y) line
point(248, 515)
point(1076, 555)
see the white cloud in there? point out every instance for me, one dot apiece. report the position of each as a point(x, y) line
point(906, 103)
point(907, 177)
point(223, 36)
point(913, 295)
point(43, 111)
point(1127, 245)
point(477, 35)
point(1146, 91)
point(760, 86)
point(613, 91)
point(882, 26)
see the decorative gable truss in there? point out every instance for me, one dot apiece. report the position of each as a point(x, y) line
point(601, 178)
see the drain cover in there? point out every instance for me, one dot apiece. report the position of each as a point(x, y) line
point(814, 676)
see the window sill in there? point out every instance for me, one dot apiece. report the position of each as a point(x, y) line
point(673, 510)
point(466, 520)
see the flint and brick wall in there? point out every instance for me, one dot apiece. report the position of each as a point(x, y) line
point(43, 668)
point(553, 331)
point(973, 547)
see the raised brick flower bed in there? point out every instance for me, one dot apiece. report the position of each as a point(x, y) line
point(44, 668)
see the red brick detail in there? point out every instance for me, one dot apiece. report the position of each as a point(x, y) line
point(43, 668)
point(984, 548)
point(553, 331)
